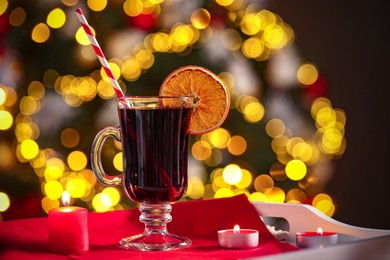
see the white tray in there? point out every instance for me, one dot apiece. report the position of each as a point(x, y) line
point(354, 243)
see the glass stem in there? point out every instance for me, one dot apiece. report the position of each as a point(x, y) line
point(155, 216)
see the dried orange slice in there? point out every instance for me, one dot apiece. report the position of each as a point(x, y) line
point(212, 99)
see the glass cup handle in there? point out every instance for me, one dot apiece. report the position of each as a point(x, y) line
point(96, 151)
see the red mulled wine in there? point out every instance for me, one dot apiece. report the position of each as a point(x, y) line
point(155, 153)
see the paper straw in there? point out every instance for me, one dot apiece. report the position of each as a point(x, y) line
point(99, 53)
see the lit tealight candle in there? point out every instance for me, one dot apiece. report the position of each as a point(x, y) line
point(237, 238)
point(317, 239)
point(68, 229)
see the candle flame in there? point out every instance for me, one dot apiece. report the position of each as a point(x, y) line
point(320, 232)
point(66, 198)
point(236, 229)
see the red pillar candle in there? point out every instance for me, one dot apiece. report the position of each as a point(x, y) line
point(68, 229)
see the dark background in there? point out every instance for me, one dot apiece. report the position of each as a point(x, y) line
point(347, 41)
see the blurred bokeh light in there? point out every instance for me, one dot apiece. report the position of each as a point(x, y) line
point(268, 148)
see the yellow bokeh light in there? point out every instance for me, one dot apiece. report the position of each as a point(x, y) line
point(307, 74)
point(6, 156)
point(183, 35)
point(82, 37)
point(296, 170)
point(53, 189)
point(69, 2)
point(219, 182)
point(318, 104)
point(12, 96)
point(114, 195)
point(6, 120)
point(251, 24)
point(237, 145)
point(223, 193)
point(105, 89)
point(56, 18)
point(228, 78)
point(195, 188)
point(131, 69)
point(201, 150)
point(29, 149)
point(291, 143)
point(277, 172)
point(332, 139)
point(296, 195)
point(77, 188)
point(48, 204)
point(219, 138)
point(257, 197)
point(53, 173)
point(241, 191)
point(97, 5)
point(302, 151)
point(200, 18)
point(3, 96)
point(118, 162)
point(133, 7)
point(38, 163)
point(25, 131)
point(36, 90)
point(215, 159)
point(275, 195)
point(246, 179)
point(267, 18)
point(86, 88)
point(216, 173)
point(224, 2)
point(326, 117)
point(54, 169)
point(340, 116)
point(40, 33)
point(263, 183)
point(3, 6)
point(275, 127)
point(72, 100)
point(29, 105)
point(274, 36)
point(326, 207)
point(69, 137)
point(17, 16)
point(145, 58)
point(102, 202)
point(77, 160)
point(320, 197)
point(115, 69)
point(161, 42)
point(254, 112)
point(4, 202)
point(253, 47)
point(232, 174)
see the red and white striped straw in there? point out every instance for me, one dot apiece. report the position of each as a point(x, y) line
point(99, 53)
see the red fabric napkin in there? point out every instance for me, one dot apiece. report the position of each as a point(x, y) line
point(198, 220)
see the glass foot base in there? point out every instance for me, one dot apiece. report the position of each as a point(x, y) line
point(155, 242)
